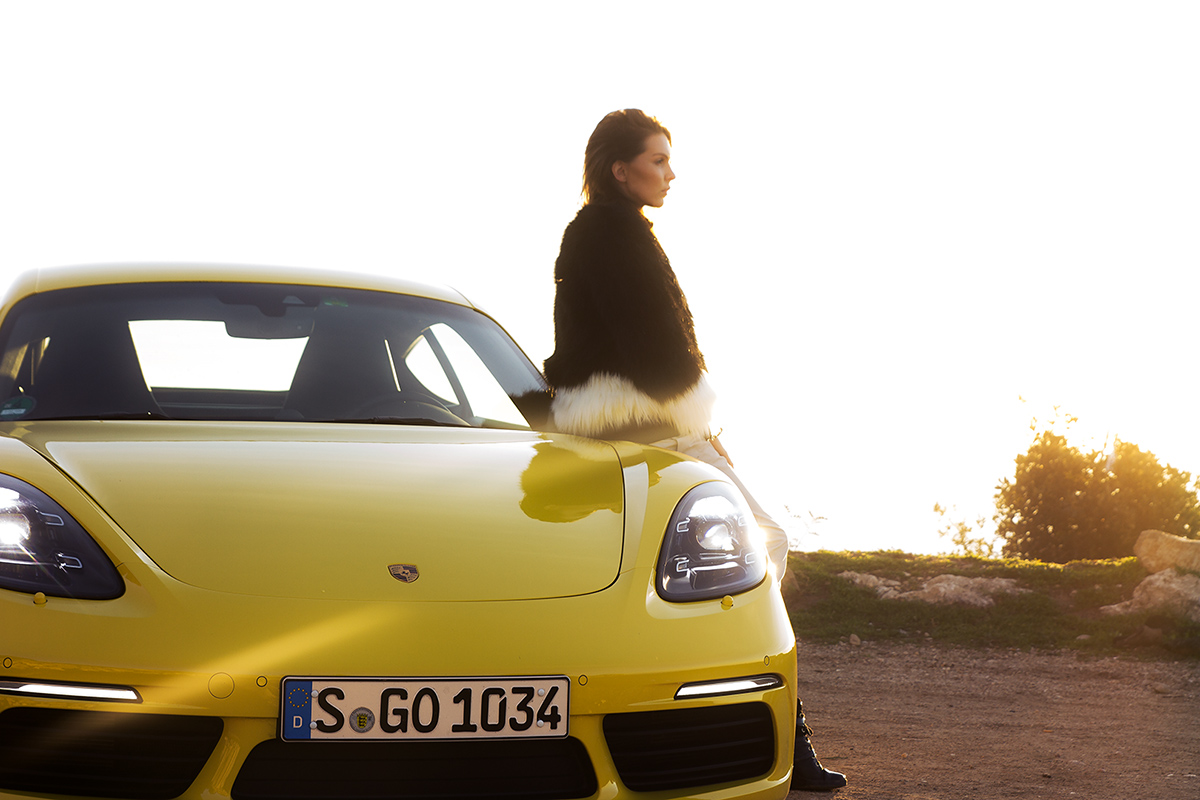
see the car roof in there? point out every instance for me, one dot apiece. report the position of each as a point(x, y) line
point(49, 279)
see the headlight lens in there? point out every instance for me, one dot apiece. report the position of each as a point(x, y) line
point(713, 546)
point(42, 549)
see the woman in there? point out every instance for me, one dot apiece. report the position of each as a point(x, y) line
point(626, 364)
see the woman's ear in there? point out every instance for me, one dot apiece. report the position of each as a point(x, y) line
point(620, 171)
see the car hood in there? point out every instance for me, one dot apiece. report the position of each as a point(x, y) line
point(354, 511)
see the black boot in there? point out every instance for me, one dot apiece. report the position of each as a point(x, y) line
point(807, 772)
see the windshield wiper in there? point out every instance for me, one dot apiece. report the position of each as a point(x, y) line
point(389, 420)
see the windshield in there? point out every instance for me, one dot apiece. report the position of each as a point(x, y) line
point(242, 351)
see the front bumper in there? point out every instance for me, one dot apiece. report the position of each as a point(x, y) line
point(192, 655)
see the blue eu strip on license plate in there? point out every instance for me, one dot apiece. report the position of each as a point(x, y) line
point(366, 709)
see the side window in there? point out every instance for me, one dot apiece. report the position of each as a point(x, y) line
point(448, 366)
point(20, 364)
point(423, 363)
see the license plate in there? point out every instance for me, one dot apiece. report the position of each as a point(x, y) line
point(424, 708)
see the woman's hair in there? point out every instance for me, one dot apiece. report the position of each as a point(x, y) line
point(620, 136)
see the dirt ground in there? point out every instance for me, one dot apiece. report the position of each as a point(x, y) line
point(914, 722)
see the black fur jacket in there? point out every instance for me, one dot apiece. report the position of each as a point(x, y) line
point(625, 364)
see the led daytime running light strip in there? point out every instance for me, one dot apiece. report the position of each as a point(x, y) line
point(753, 683)
point(71, 691)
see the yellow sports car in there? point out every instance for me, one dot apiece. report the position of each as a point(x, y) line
point(287, 534)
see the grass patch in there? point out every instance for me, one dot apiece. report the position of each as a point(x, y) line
point(1062, 604)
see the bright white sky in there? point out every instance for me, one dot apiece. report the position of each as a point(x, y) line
point(892, 220)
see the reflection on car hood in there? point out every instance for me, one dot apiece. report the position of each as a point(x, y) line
point(353, 511)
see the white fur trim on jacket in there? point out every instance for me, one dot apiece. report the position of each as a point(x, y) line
point(609, 401)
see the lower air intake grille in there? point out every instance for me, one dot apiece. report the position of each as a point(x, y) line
point(543, 769)
point(103, 753)
point(656, 750)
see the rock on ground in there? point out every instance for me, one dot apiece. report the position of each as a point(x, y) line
point(944, 589)
point(1170, 591)
point(1167, 589)
point(1158, 551)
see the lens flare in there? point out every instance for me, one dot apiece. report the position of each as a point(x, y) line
point(14, 530)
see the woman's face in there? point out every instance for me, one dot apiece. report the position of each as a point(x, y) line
point(646, 179)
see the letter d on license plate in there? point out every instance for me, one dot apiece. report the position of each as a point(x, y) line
point(367, 709)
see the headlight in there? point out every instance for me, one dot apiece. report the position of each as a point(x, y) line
point(713, 546)
point(42, 549)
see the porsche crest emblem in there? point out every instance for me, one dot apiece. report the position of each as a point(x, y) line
point(406, 573)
